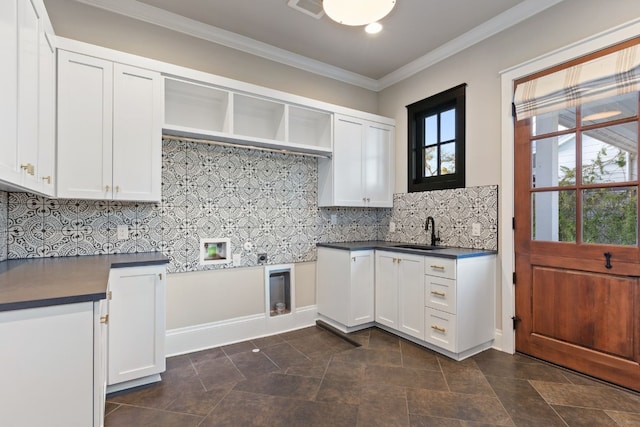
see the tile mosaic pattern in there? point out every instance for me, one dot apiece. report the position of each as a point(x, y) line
point(454, 212)
point(4, 218)
point(310, 377)
point(210, 191)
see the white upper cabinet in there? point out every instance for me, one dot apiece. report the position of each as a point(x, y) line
point(137, 134)
point(109, 130)
point(27, 95)
point(9, 164)
point(47, 116)
point(211, 112)
point(360, 172)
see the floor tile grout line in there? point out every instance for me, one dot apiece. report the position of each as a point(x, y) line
point(216, 405)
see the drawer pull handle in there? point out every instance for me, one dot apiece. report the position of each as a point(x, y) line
point(439, 294)
point(438, 328)
point(438, 267)
point(47, 178)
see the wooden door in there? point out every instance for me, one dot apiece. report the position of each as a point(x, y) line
point(576, 232)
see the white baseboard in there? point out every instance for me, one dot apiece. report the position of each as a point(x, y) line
point(210, 335)
point(497, 341)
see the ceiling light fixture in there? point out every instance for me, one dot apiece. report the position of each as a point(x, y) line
point(357, 12)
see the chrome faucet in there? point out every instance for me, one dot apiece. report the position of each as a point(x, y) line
point(434, 239)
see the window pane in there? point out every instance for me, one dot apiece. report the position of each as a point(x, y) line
point(553, 216)
point(448, 125)
point(609, 154)
point(448, 158)
point(610, 216)
point(431, 130)
point(431, 161)
point(614, 108)
point(554, 121)
point(553, 161)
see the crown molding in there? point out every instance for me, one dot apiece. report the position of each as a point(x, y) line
point(156, 16)
point(153, 15)
point(499, 23)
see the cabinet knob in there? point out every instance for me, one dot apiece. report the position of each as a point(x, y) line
point(28, 167)
point(107, 188)
point(104, 319)
point(117, 188)
point(353, 259)
point(47, 178)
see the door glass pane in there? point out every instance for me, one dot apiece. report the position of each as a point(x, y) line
point(448, 158)
point(554, 121)
point(448, 125)
point(553, 216)
point(431, 130)
point(614, 108)
point(609, 154)
point(610, 215)
point(431, 161)
point(553, 161)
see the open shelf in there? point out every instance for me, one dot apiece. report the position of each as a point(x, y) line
point(196, 106)
point(258, 118)
point(204, 111)
point(309, 127)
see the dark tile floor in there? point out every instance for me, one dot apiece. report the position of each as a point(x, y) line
point(311, 377)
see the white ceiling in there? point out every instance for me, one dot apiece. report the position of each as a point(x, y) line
point(416, 34)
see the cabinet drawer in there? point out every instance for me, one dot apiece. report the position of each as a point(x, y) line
point(440, 329)
point(440, 267)
point(440, 293)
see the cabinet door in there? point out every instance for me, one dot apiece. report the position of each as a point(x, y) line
point(47, 114)
point(136, 323)
point(100, 321)
point(84, 126)
point(332, 284)
point(411, 295)
point(137, 133)
point(9, 165)
point(349, 134)
point(28, 71)
point(362, 288)
point(378, 165)
point(386, 295)
point(47, 366)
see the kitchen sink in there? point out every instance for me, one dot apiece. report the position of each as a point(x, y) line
point(418, 247)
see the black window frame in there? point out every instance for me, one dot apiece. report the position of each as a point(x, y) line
point(417, 112)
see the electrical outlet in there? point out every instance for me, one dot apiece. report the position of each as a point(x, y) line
point(123, 232)
point(476, 229)
point(237, 259)
point(392, 227)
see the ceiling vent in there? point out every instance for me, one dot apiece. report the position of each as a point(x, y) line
point(308, 7)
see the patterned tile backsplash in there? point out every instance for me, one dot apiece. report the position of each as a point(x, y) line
point(210, 191)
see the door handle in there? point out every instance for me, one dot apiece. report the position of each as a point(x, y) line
point(607, 258)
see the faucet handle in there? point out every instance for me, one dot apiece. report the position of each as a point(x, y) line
point(437, 239)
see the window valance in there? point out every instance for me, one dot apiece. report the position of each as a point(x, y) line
point(614, 74)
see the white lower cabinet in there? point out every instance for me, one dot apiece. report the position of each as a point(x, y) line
point(49, 375)
point(400, 292)
point(136, 337)
point(460, 304)
point(345, 286)
point(446, 304)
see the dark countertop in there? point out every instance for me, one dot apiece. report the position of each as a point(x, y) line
point(40, 282)
point(441, 252)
